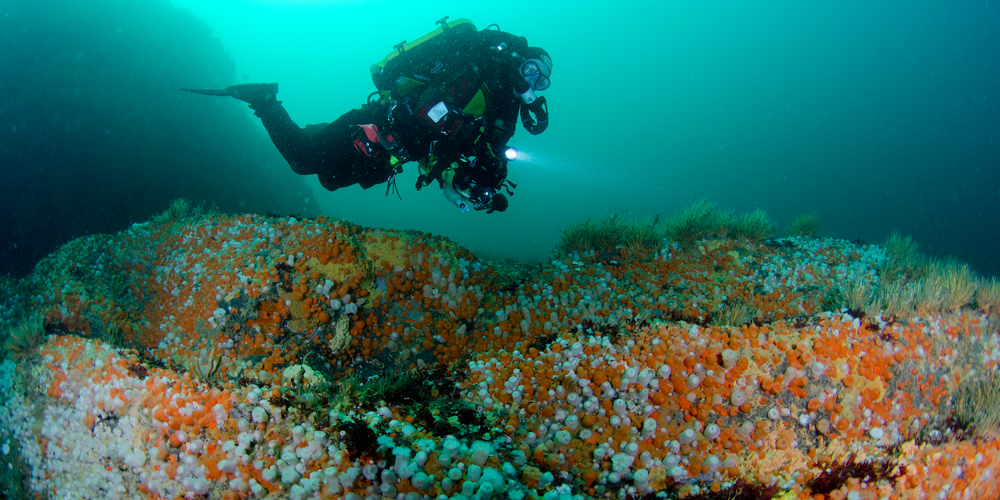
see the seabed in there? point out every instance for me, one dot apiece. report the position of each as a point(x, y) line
point(255, 357)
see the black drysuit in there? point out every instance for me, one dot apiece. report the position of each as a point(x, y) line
point(329, 150)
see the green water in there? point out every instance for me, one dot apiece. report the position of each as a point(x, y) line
point(877, 116)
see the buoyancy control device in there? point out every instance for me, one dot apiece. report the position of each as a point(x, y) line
point(431, 86)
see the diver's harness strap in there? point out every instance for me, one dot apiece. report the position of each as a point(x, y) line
point(425, 178)
point(437, 167)
point(391, 184)
point(388, 138)
point(537, 124)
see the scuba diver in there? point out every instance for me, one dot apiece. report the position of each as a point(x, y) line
point(449, 101)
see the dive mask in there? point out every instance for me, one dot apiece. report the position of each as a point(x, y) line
point(536, 72)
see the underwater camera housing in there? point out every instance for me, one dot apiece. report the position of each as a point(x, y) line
point(484, 198)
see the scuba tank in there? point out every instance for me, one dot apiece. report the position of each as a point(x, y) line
point(387, 72)
point(431, 89)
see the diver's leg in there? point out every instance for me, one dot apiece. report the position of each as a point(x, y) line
point(365, 171)
point(336, 152)
point(315, 148)
point(294, 144)
point(332, 182)
point(352, 155)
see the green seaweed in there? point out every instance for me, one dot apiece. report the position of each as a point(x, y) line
point(804, 225)
point(754, 227)
point(697, 222)
point(977, 404)
point(22, 338)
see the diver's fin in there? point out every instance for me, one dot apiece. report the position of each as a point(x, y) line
point(218, 92)
point(257, 95)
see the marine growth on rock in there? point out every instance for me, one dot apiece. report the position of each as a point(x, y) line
point(257, 357)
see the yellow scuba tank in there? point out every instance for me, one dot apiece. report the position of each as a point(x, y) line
point(404, 46)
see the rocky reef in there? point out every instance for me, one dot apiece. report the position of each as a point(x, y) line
point(258, 357)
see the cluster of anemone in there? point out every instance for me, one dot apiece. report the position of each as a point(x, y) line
point(604, 374)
